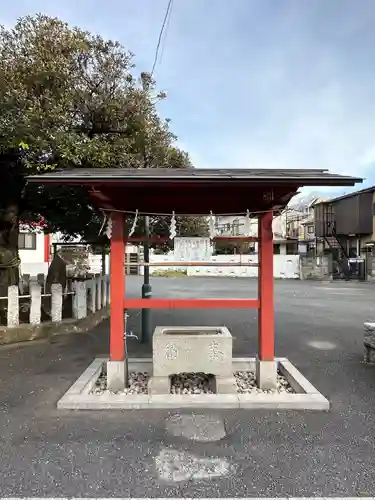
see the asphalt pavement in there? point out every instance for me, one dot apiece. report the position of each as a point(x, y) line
point(47, 452)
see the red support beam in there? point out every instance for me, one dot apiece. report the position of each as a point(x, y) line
point(117, 288)
point(266, 320)
point(191, 304)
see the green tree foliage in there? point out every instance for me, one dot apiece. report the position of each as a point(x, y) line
point(70, 99)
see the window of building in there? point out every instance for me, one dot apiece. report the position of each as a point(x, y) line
point(310, 229)
point(352, 253)
point(291, 248)
point(236, 228)
point(311, 250)
point(27, 241)
point(276, 248)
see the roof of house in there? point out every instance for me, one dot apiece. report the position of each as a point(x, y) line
point(349, 195)
point(192, 191)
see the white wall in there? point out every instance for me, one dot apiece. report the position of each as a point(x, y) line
point(37, 255)
point(32, 261)
point(95, 263)
point(284, 266)
point(200, 249)
point(34, 268)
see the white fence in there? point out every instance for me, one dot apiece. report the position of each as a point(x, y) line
point(284, 266)
point(87, 297)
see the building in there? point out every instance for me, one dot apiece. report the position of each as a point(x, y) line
point(34, 250)
point(228, 225)
point(300, 226)
point(345, 227)
point(350, 220)
point(291, 229)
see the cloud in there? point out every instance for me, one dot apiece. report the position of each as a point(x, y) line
point(251, 83)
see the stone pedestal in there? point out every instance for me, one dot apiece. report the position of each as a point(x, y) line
point(266, 374)
point(192, 349)
point(116, 376)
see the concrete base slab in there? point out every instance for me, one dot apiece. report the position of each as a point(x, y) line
point(369, 326)
point(369, 342)
point(369, 355)
point(159, 385)
point(266, 374)
point(170, 401)
point(226, 385)
point(80, 396)
point(116, 375)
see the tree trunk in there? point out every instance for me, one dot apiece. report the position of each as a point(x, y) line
point(9, 256)
point(11, 167)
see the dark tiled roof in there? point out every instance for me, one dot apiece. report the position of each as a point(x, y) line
point(298, 176)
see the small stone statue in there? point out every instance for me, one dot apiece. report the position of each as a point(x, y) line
point(56, 275)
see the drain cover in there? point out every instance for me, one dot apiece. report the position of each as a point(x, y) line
point(197, 427)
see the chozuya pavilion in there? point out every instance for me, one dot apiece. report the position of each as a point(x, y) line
point(261, 192)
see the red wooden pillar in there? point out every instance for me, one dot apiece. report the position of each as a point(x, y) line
point(117, 288)
point(47, 247)
point(266, 315)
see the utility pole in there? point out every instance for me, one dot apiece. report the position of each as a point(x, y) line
point(146, 334)
point(104, 253)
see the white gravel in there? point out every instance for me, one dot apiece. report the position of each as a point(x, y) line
point(138, 382)
point(246, 384)
point(194, 383)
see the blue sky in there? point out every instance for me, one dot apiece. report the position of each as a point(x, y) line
point(251, 83)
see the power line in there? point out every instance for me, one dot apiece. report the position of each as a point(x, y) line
point(165, 35)
point(167, 12)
